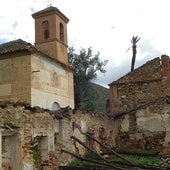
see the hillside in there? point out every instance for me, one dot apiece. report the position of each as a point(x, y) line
point(102, 95)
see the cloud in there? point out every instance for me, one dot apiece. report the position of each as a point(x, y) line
point(14, 25)
point(145, 52)
point(91, 24)
point(113, 72)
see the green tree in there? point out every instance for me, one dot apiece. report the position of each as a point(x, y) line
point(86, 65)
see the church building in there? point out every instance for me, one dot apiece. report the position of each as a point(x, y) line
point(39, 74)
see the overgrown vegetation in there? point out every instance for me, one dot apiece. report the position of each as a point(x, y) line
point(88, 156)
point(78, 163)
point(138, 160)
point(135, 157)
point(91, 155)
point(86, 65)
point(36, 156)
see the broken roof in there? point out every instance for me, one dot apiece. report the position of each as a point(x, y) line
point(134, 75)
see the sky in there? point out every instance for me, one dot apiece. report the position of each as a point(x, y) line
point(105, 25)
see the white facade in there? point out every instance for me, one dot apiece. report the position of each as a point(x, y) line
point(50, 83)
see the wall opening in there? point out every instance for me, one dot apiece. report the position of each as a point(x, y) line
point(61, 32)
point(55, 106)
point(45, 30)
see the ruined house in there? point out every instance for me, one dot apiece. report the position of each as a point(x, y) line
point(37, 100)
point(33, 138)
point(140, 100)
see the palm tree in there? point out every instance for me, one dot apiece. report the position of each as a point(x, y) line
point(134, 41)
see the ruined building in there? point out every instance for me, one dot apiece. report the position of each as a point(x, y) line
point(141, 99)
point(39, 75)
point(37, 120)
point(34, 76)
point(36, 100)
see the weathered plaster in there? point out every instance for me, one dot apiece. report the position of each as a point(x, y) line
point(25, 127)
point(50, 83)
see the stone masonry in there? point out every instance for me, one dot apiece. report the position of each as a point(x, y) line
point(141, 98)
point(26, 129)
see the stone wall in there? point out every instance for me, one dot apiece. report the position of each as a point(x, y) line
point(137, 88)
point(25, 128)
point(100, 126)
point(140, 100)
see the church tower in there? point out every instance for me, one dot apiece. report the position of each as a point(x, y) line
point(51, 33)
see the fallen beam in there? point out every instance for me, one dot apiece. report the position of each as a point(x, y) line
point(92, 161)
point(104, 146)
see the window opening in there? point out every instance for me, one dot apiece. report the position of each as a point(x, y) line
point(55, 106)
point(61, 32)
point(45, 29)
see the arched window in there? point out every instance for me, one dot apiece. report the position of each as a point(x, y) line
point(45, 29)
point(61, 32)
point(55, 106)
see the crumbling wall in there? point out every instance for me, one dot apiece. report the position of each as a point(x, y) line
point(21, 125)
point(100, 126)
point(25, 128)
point(140, 100)
point(137, 88)
point(152, 130)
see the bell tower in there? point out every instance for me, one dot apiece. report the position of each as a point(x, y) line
point(51, 33)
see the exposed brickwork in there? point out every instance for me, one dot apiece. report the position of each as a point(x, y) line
point(136, 88)
point(25, 127)
point(53, 45)
point(147, 126)
point(50, 132)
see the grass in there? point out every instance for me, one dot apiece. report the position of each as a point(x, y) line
point(138, 160)
point(91, 156)
point(75, 163)
point(78, 163)
point(135, 159)
point(88, 155)
point(36, 156)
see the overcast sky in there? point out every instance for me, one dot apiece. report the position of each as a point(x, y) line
point(105, 25)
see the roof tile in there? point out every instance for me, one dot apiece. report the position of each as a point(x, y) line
point(14, 46)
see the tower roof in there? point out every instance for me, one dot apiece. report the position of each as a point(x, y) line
point(50, 10)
